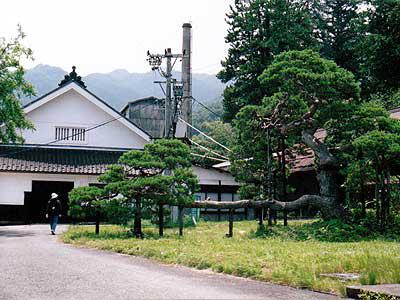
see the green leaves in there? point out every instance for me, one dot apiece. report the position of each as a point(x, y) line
point(141, 161)
point(382, 48)
point(303, 91)
point(221, 132)
point(84, 200)
point(306, 79)
point(13, 86)
point(161, 173)
point(171, 152)
point(258, 31)
point(341, 26)
point(379, 145)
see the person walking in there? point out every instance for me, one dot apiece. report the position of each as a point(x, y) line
point(53, 212)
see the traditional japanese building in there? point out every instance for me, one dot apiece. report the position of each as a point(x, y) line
point(76, 136)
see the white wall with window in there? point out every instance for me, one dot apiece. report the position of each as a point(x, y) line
point(70, 118)
point(70, 134)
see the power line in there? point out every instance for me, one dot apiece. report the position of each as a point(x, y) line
point(202, 133)
point(208, 157)
point(70, 136)
point(207, 108)
point(208, 150)
point(59, 140)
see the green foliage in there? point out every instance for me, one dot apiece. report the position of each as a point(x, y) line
point(221, 132)
point(249, 158)
point(302, 77)
point(258, 31)
point(356, 121)
point(295, 79)
point(341, 27)
point(83, 201)
point(330, 231)
point(381, 47)
point(202, 116)
point(173, 153)
point(369, 295)
point(141, 174)
point(160, 174)
point(13, 87)
point(353, 135)
point(389, 99)
point(369, 143)
point(379, 146)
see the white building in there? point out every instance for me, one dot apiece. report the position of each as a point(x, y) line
point(77, 135)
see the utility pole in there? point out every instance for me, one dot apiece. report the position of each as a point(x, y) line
point(178, 95)
point(155, 61)
point(168, 98)
point(187, 75)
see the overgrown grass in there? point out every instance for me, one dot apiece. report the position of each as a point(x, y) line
point(296, 255)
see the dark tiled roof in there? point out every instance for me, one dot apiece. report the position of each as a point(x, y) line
point(56, 160)
point(301, 161)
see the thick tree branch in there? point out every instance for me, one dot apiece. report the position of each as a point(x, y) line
point(324, 204)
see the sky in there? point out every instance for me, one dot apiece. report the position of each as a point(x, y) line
point(99, 36)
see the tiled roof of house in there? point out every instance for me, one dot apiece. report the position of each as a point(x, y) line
point(56, 160)
point(298, 160)
point(301, 161)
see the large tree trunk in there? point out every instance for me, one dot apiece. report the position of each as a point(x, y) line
point(327, 202)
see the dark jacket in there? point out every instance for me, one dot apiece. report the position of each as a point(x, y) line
point(53, 207)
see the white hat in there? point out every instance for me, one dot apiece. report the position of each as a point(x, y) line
point(54, 195)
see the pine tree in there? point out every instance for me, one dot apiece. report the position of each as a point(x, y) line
point(340, 26)
point(258, 31)
point(382, 48)
point(160, 174)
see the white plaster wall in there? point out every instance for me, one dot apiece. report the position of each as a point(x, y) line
point(13, 185)
point(72, 110)
point(212, 177)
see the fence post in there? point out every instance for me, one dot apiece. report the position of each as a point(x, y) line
point(230, 233)
point(97, 221)
point(270, 216)
point(160, 220)
point(284, 217)
point(180, 213)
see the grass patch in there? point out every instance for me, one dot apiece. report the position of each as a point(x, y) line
point(294, 255)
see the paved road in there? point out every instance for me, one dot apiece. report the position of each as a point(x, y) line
point(34, 265)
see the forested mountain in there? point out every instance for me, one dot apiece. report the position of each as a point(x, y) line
point(119, 86)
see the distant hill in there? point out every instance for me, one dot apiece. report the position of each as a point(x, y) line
point(119, 86)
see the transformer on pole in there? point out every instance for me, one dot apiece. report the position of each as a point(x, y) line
point(178, 95)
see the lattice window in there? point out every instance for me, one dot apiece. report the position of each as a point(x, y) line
point(70, 134)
